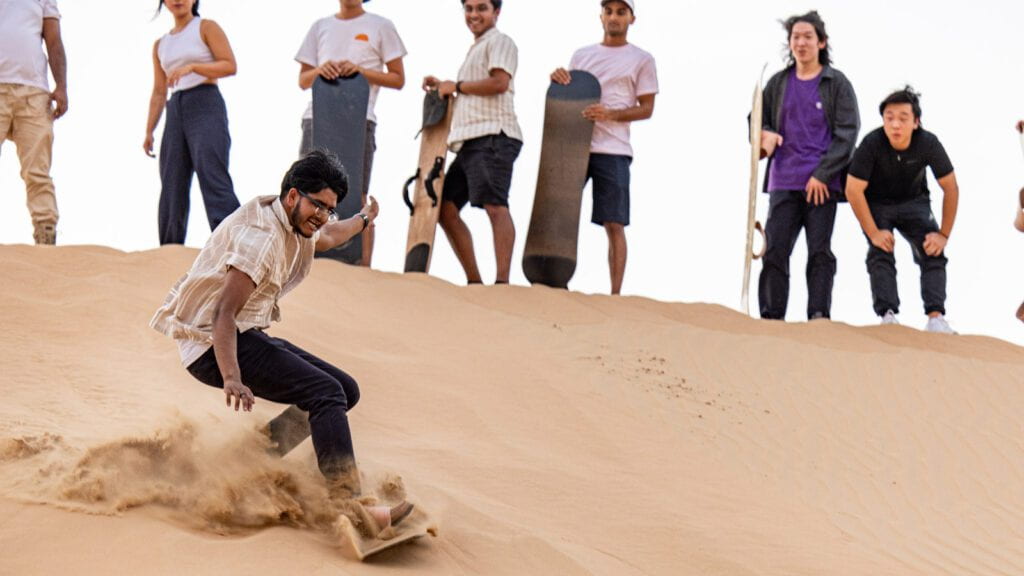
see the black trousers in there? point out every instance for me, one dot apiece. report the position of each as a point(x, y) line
point(914, 220)
point(277, 370)
point(788, 213)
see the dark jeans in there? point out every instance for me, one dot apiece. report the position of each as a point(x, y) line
point(914, 220)
point(788, 212)
point(279, 371)
point(195, 141)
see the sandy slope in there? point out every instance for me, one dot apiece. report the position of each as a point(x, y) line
point(547, 432)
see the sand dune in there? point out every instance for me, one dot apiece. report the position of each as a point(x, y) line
point(547, 433)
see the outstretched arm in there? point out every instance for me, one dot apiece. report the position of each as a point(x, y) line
point(337, 233)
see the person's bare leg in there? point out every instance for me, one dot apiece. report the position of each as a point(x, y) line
point(385, 516)
point(504, 240)
point(461, 240)
point(1019, 222)
point(616, 254)
point(367, 238)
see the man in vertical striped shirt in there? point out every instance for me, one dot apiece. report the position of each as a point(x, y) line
point(485, 136)
point(219, 310)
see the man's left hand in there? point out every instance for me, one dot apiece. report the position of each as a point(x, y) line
point(371, 209)
point(934, 244)
point(598, 113)
point(59, 97)
point(817, 191)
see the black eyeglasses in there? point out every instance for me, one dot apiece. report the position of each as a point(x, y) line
point(320, 206)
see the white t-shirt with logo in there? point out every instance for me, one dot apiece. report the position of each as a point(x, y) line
point(22, 60)
point(625, 73)
point(369, 41)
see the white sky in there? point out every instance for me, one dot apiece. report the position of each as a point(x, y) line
point(690, 172)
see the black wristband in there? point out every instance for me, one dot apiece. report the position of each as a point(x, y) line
point(366, 220)
point(458, 87)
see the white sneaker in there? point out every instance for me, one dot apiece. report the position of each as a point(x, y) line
point(890, 318)
point(939, 325)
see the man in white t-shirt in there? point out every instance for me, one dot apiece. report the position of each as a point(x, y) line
point(26, 113)
point(351, 41)
point(486, 138)
point(629, 83)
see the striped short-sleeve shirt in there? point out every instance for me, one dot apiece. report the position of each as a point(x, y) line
point(477, 116)
point(258, 240)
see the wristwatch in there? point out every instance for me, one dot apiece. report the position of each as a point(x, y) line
point(366, 219)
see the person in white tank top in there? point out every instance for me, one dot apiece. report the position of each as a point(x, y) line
point(187, 62)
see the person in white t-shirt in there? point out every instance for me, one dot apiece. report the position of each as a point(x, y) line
point(349, 42)
point(629, 83)
point(27, 106)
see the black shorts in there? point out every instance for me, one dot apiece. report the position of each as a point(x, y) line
point(610, 176)
point(482, 172)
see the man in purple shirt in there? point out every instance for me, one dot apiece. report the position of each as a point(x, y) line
point(811, 122)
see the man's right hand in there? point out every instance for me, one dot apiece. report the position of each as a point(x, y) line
point(769, 142)
point(430, 83)
point(883, 240)
point(147, 145)
point(561, 76)
point(240, 393)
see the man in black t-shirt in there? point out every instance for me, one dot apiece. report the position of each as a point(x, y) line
point(887, 190)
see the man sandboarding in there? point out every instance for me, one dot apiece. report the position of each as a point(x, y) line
point(810, 126)
point(218, 311)
point(629, 84)
point(486, 138)
point(887, 189)
point(353, 41)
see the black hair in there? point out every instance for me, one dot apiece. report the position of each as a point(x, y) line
point(906, 95)
point(495, 3)
point(814, 19)
point(315, 171)
point(195, 7)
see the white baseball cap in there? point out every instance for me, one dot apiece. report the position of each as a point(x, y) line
point(630, 3)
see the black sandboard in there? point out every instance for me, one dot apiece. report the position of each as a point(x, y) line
point(339, 125)
point(289, 429)
point(550, 254)
point(425, 205)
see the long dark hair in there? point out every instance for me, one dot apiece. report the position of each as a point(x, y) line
point(814, 19)
point(195, 7)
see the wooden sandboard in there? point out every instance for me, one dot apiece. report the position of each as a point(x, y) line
point(360, 547)
point(425, 205)
point(756, 124)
